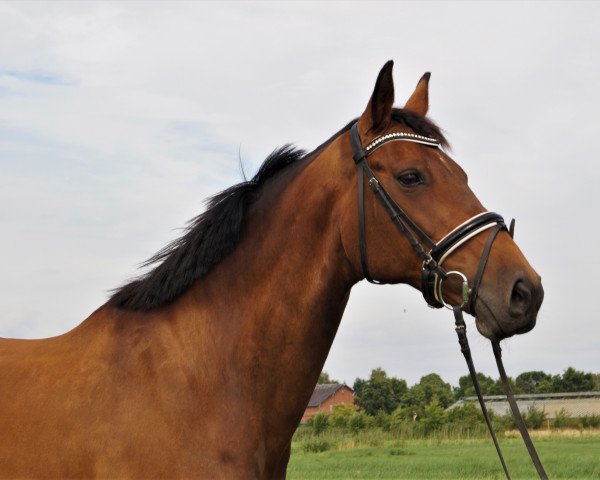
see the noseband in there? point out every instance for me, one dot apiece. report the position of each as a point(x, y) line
point(432, 253)
point(433, 274)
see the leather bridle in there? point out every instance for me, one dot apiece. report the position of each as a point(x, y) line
point(433, 254)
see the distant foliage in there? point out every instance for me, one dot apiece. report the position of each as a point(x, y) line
point(488, 386)
point(574, 381)
point(379, 393)
point(506, 421)
point(590, 421)
point(385, 404)
point(596, 382)
point(399, 418)
point(320, 422)
point(434, 416)
point(382, 420)
point(529, 382)
point(467, 415)
point(340, 415)
point(536, 381)
point(561, 418)
point(325, 378)
point(357, 422)
point(316, 445)
point(430, 387)
point(534, 417)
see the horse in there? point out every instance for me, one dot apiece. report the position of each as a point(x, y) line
point(203, 365)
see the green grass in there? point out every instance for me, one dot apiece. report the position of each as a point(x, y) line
point(572, 458)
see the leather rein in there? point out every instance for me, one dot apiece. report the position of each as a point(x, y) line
point(433, 275)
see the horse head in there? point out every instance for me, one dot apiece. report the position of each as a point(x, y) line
point(427, 194)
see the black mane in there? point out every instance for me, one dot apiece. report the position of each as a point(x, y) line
point(212, 235)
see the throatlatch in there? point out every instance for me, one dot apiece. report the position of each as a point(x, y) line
point(433, 275)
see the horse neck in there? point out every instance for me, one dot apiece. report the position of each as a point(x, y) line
point(273, 306)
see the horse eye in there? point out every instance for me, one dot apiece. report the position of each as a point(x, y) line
point(410, 179)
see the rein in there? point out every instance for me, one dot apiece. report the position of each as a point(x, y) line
point(433, 275)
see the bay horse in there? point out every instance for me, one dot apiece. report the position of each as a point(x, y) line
point(203, 366)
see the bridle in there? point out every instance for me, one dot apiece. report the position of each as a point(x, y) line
point(433, 275)
point(433, 254)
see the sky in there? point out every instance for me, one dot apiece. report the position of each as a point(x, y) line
point(117, 120)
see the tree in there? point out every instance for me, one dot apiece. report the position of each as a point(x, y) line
point(528, 382)
point(488, 386)
point(575, 381)
point(548, 385)
point(379, 392)
point(325, 378)
point(434, 416)
point(429, 387)
point(500, 389)
point(358, 386)
point(571, 380)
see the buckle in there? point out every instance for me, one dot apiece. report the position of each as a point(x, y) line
point(466, 290)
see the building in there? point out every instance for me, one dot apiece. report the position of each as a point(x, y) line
point(576, 404)
point(325, 397)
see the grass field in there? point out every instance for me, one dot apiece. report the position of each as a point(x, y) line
point(563, 457)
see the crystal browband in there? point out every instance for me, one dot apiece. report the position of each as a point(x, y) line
point(410, 137)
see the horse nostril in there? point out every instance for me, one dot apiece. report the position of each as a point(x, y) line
point(520, 299)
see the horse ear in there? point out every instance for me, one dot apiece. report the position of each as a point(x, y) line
point(378, 113)
point(419, 100)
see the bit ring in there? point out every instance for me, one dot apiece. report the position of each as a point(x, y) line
point(466, 290)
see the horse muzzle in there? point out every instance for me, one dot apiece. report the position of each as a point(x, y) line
point(515, 314)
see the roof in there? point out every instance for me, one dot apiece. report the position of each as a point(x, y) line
point(576, 404)
point(323, 391)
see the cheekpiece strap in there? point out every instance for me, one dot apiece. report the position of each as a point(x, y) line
point(359, 153)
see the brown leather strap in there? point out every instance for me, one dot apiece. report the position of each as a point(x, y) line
point(517, 414)
point(480, 269)
point(362, 243)
point(461, 332)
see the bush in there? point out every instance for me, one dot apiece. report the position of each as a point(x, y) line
point(467, 415)
point(316, 445)
point(434, 416)
point(534, 417)
point(507, 421)
point(340, 415)
point(319, 423)
point(398, 420)
point(562, 416)
point(382, 420)
point(357, 422)
point(590, 421)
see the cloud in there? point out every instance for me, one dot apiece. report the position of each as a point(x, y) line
point(117, 120)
